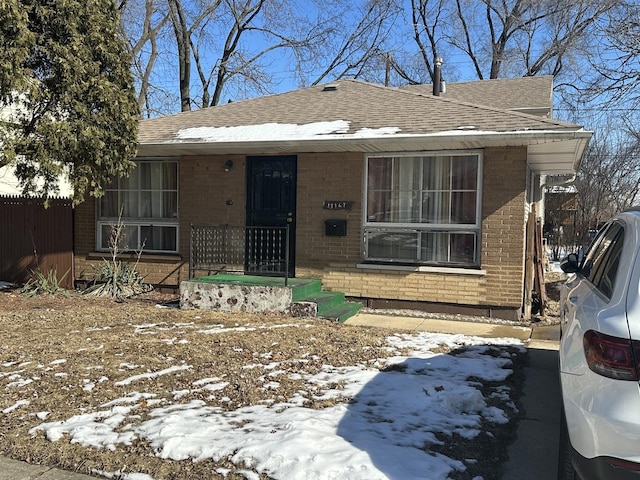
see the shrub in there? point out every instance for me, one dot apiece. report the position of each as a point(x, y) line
point(41, 284)
point(115, 278)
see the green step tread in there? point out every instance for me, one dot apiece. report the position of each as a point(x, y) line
point(342, 312)
point(300, 292)
point(325, 300)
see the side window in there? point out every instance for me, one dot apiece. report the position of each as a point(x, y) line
point(594, 250)
point(608, 278)
point(605, 258)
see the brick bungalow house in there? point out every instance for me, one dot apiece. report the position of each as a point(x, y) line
point(394, 196)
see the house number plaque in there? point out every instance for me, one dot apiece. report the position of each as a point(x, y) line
point(337, 205)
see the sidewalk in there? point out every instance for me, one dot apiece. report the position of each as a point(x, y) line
point(15, 470)
point(426, 324)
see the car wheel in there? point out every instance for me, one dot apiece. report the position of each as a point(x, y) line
point(565, 466)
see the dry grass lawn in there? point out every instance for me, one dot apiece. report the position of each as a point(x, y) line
point(66, 355)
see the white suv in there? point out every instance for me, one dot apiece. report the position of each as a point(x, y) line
point(600, 354)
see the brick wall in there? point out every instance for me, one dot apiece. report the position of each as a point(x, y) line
point(210, 195)
point(328, 177)
point(504, 224)
point(204, 189)
point(335, 259)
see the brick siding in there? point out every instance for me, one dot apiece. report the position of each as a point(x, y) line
point(210, 195)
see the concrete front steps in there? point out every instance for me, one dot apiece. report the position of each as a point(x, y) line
point(331, 305)
point(248, 293)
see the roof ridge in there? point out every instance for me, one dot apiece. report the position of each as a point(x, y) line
point(504, 79)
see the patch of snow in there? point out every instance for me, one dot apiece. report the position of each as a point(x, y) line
point(281, 131)
point(118, 475)
point(148, 375)
point(265, 131)
point(16, 405)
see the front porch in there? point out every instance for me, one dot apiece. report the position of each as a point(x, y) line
point(300, 297)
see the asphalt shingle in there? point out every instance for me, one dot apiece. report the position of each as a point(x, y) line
point(362, 105)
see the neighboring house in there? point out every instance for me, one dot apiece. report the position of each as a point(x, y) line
point(9, 183)
point(561, 227)
point(427, 197)
point(11, 186)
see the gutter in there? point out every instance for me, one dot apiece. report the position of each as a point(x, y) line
point(549, 180)
point(464, 134)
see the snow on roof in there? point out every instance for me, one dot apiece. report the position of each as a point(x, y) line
point(279, 131)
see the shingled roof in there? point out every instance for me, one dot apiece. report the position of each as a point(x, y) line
point(352, 116)
point(533, 95)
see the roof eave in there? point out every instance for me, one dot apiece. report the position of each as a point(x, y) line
point(550, 152)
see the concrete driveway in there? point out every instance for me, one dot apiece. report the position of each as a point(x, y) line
point(534, 455)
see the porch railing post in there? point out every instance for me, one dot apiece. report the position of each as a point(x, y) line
point(191, 250)
point(286, 257)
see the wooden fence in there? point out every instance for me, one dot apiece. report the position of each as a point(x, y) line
point(33, 237)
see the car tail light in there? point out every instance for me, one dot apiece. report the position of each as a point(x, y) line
point(624, 464)
point(611, 357)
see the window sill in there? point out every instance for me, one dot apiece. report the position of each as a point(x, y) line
point(158, 257)
point(422, 269)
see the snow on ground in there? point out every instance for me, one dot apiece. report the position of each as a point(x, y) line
point(380, 425)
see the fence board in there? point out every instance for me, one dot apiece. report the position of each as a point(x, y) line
point(36, 238)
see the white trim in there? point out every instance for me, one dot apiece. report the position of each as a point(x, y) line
point(422, 269)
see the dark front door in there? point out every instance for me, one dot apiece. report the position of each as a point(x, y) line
point(271, 202)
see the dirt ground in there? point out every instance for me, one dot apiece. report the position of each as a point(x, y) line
point(52, 347)
point(553, 281)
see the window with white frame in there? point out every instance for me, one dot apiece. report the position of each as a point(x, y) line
point(146, 203)
point(423, 209)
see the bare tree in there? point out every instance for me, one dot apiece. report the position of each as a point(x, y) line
point(502, 38)
point(239, 46)
point(354, 41)
point(608, 180)
point(616, 60)
point(428, 17)
point(142, 23)
point(202, 50)
point(234, 59)
point(185, 22)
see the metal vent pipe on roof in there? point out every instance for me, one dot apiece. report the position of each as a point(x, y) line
point(437, 77)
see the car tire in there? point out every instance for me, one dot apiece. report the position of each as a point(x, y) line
point(565, 465)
